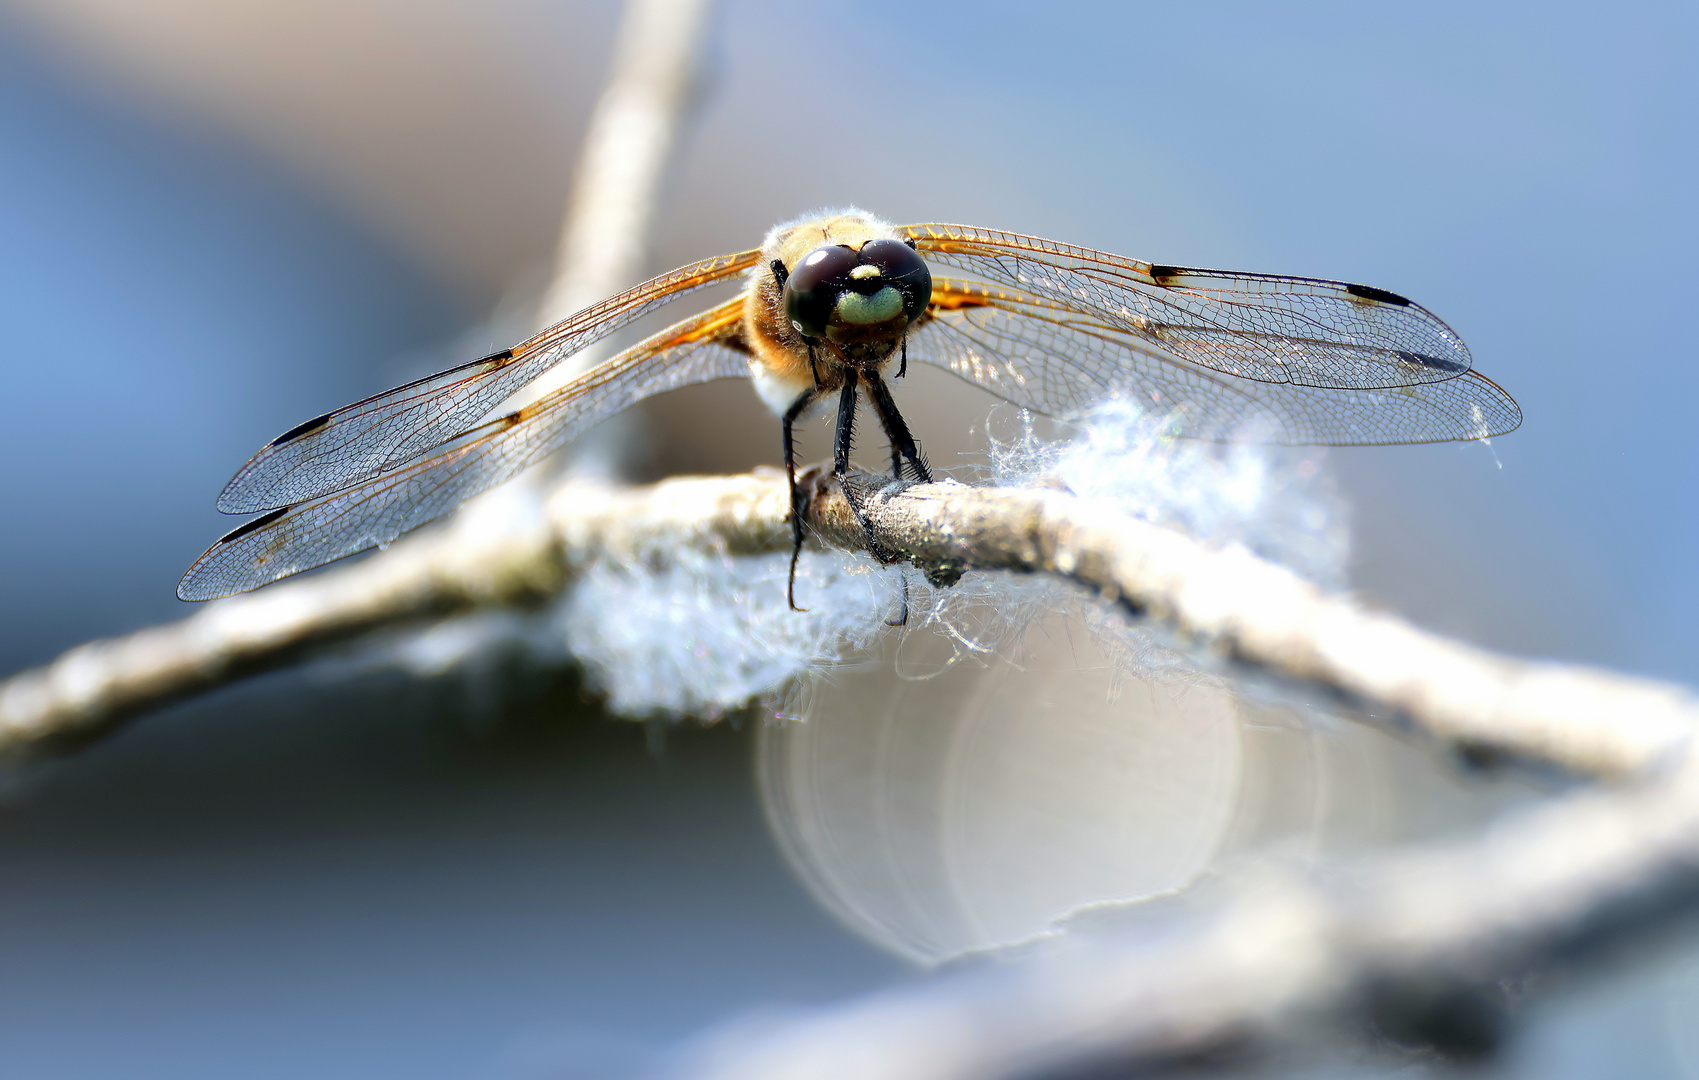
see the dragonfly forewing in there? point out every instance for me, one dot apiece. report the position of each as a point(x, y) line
point(362, 440)
point(1264, 327)
point(376, 511)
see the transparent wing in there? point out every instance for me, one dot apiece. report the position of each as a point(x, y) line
point(1055, 359)
point(332, 451)
point(287, 541)
point(1264, 327)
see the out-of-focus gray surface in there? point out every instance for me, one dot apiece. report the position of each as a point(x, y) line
point(351, 881)
point(367, 877)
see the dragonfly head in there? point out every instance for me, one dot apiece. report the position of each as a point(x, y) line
point(858, 298)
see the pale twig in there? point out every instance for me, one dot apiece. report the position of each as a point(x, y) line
point(1584, 720)
point(486, 555)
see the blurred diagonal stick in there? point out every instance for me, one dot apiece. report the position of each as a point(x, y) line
point(1428, 947)
point(633, 134)
point(632, 138)
point(1589, 722)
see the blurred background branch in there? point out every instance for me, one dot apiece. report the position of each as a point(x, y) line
point(1430, 949)
point(633, 137)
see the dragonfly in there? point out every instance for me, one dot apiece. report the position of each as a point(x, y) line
point(834, 306)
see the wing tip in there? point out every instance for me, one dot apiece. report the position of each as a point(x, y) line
point(238, 496)
point(190, 591)
point(235, 499)
point(1507, 406)
point(1515, 421)
point(194, 585)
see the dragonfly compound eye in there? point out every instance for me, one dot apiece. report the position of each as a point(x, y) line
point(848, 295)
point(814, 285)
point(902, 268)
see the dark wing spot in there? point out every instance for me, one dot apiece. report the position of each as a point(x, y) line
point(1369, 292)
point(1434, 363)
point(301, 429)
point(249, 526)
point(497, 357)
point(1162, 273)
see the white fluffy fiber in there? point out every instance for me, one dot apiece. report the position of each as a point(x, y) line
point(706, 632)
point(1277, 501)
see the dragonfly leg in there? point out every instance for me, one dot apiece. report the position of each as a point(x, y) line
point(840, 459)
point(846, 424)
point(902, 613)
point(813, 364)
point(902, 443)
point(797, 408)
